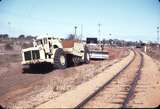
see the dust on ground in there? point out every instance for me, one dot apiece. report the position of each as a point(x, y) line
point(147, 94)
point(29, 89)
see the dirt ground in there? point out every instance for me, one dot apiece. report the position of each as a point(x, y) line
point(146, 94)
point(148, 89)
point(154, 52)
point(29, 89)
point(112, 96)
point(72, 98)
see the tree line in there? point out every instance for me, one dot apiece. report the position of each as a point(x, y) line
point(22, 36)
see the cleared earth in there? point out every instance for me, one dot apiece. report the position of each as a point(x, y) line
point(29, 89)
point(34, 87)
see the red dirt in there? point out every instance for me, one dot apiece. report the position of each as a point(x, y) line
point(14, 83)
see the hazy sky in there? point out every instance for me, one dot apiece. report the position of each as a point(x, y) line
point(124, 19)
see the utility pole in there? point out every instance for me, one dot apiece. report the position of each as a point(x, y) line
point(10, 28)
point(110, 35)
point(81, 32)
point(99, 31)
point(158, 35)
point(75, 34)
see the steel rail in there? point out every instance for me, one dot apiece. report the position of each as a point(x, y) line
point(133, 84)
point(107, 83)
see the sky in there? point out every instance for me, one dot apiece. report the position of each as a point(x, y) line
point(119, 19)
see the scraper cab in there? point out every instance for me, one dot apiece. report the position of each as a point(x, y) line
point(60, 53)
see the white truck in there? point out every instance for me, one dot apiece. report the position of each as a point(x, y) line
point(60, 53)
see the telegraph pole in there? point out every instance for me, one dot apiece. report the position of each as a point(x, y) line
point(81, 31)
point(99, 31)
point(75, 34)
point(10, 28)
point(158, 35)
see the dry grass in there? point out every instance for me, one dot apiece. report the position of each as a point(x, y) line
point(154, 52)
point(8, 58)
point(8, 46)
point(26, 45)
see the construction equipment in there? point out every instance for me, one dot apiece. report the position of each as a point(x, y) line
point(60, 53)
point(96, 49)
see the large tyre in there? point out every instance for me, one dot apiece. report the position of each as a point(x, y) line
point(60, 59)
point(86, 55)
point(69, 60)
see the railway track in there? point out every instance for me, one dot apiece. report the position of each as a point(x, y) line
point(118, 91)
